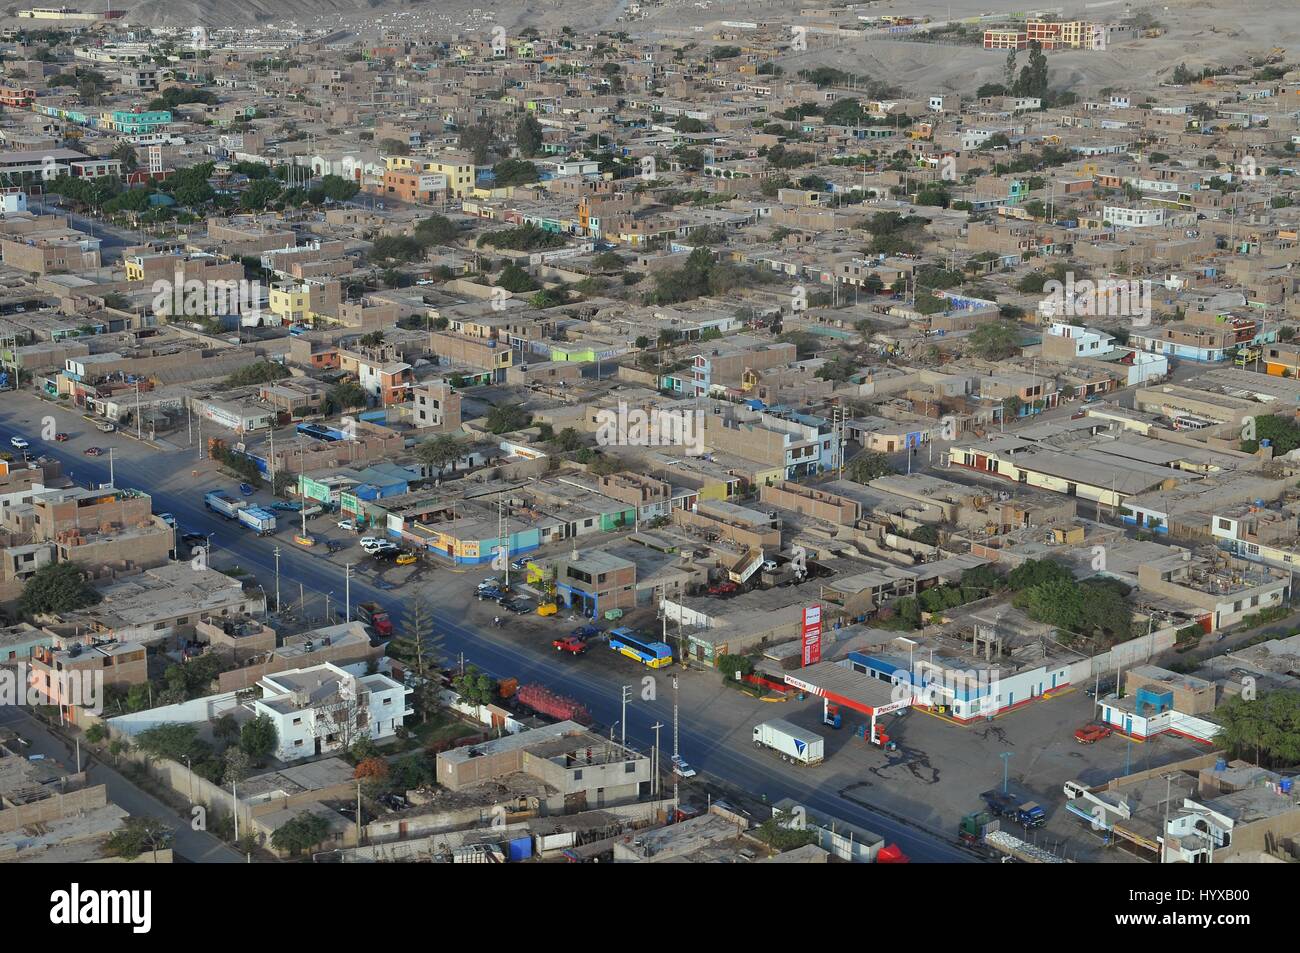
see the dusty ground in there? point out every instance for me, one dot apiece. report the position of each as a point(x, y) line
point(1196, 32)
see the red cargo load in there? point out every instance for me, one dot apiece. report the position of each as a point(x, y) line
point(892, 854)
point(546, 702)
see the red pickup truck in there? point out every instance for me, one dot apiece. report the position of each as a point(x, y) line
point(571, 644)
point(1091, 733)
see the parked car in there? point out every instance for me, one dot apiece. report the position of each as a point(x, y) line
point(407, 559)
point(1092, 733)
point(570, 644)
point(586, 631)
point(681, 768)
point(106, 427)
point(349, 526)
point(723, 589)
point(370, 543)
point(18, 443)
point(286, 506)
point(490, 593)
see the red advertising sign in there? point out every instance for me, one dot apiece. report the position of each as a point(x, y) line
point(812, 635)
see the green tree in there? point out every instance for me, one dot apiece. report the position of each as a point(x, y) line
point(436, 230)
point(1267, 727)
point(1034, 572)
point(528, 135)
point(338, 188)
point(347, 395)
point(867, 466)
point(505, 418)
point(302, 833)
point(568, 439)
point(258, 738)
point(478, 141)
point(995, 340)
point(260, 194)
point(136, 836)
point(172, 741)
point(420, 649)
point(260, 372)
point(438, 453)
point(729, 665)
point(58, 587)
point(510, 172)
point(515, 280)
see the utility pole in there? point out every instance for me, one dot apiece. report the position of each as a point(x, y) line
point(277, 578)
point(654, 780)
point(627, 695)
point(503, 538)
point(138, 431)
point(1164, 833)
point(1006, 757)
point(347, 592)
point(111, 481)
point(676, 753)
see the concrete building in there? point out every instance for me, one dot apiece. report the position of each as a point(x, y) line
point(326, 708)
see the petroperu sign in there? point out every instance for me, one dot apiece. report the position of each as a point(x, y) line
point(812, 635)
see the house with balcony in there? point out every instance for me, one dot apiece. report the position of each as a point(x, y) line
point(326, 708)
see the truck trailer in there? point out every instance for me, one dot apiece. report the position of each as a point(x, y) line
point(256, 518)
point(790, 741)
point(221, 502)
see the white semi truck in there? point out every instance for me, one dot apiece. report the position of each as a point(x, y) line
point(790, 741)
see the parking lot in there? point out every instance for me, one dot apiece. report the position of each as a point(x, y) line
point(939, 769)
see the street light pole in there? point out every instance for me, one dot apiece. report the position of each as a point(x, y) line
point(1006, 757)
point(627, 694)
point(347, 582)
point(654, 778)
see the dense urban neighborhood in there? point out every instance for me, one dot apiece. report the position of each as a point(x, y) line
point(655, 431)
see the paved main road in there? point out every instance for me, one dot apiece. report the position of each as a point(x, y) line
point(166, 475)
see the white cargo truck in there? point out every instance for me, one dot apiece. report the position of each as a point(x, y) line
point(791, 742)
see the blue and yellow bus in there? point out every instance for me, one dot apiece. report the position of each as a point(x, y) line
point(649, 654)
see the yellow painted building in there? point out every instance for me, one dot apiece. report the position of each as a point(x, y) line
point(291, 304)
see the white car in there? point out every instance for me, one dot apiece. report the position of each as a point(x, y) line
point(370, 543)
point(18, 443)
point(348, 525)
point(681, 768)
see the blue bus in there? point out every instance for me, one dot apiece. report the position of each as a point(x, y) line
point(649, 654)
point(319, 432)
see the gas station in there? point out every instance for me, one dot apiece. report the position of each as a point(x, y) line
point(841, 687)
